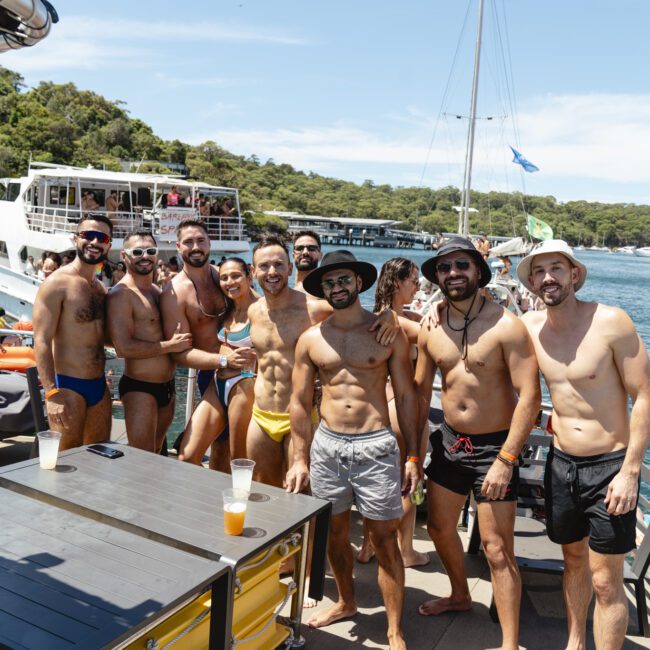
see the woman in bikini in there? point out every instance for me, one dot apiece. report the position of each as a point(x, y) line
point(397, 285)
point(235, 386)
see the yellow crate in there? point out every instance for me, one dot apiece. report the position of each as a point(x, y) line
point(171, 627)
point(257, 596)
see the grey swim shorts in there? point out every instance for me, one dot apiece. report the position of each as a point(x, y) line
point(363, 468)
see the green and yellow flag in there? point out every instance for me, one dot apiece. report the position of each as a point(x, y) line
point(538, 229)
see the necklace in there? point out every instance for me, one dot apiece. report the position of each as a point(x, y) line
point(205, 313)
point(464, 329)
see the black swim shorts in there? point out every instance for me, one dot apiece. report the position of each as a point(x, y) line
point(460, 461)
point(575, 488)
point(163, 392)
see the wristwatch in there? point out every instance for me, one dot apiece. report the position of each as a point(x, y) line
point(223, 361)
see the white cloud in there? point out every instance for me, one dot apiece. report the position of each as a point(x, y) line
point(600, 139)
point(83, 43)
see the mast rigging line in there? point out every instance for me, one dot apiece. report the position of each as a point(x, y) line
point(445, 93)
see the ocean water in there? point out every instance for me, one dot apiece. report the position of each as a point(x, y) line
point(613, 278)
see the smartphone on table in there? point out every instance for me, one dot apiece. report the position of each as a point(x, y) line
point(106, 451)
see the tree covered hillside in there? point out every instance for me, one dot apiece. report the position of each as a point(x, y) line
point(60, 123)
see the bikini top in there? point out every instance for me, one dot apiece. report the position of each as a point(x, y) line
point(239, 339)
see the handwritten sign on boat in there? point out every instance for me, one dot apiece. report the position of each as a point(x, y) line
point(169, 218)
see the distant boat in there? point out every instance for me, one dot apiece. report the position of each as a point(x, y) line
point(643, 251)
point(626, 250)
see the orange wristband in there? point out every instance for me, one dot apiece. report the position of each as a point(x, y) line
point(52, 391)
point(412, 459)
point(505, 454)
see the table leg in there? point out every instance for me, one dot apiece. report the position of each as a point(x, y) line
point(319, 554)
point(221, 612)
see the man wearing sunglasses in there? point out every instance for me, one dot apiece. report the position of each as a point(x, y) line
point(135, 326)
point(69, 314)
point(354, 454)
point(490, 400)
point(306, 255)
point(277, 321)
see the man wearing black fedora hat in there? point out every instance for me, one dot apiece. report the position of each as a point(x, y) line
point(354, 455)
point(277, 321)
point(490, 399)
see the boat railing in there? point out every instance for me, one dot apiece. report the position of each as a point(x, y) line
point(57, 220)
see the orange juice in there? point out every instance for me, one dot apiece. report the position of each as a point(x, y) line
point(233, 518)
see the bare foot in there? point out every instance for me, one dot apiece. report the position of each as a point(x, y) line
point(441, 605)
point(334, 613)
point(366, 553)
point(415, 559)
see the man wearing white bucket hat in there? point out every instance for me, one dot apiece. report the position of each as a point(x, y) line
point(592, 360)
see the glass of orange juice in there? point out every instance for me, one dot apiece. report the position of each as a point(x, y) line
point(234, 510)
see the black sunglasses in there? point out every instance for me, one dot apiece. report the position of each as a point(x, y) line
point(100, 236)
point(445, 267)
point(310, 247)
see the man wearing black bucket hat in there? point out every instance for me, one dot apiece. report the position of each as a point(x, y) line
point(354, 454)
point(490, 399)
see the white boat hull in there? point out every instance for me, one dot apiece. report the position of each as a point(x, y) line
point(17, 293)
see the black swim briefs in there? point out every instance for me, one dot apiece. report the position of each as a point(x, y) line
point(460, 461)
point(575, 488)
point(163, 392)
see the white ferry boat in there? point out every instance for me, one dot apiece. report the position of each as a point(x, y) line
point(40, 212)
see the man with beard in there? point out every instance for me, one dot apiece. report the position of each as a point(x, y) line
point(486, 359)
point(593, 360)
point(194, 303)
point(277, 321)
point(354, 454)
point(135, 326)
point(306, 255)
point(69, 340)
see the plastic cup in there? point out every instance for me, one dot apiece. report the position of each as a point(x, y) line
point(234, 510)
point(242, 473)
point(249, 369)
point(48, 448)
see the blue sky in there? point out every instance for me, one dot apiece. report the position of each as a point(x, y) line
point(356, 89)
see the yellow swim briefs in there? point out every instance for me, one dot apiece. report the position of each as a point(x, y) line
point(277, 425)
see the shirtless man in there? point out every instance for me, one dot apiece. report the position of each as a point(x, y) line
point(111, 203)
point(69, 313)
point(486, 359)
point(277, 321)
point(592, 360)
point(354, 454)
point(306, 255)
point(483, 245)
point(194, 303)
point(135, 326)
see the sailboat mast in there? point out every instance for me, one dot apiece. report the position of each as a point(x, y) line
point(469, 156)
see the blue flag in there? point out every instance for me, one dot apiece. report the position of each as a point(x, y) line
point(526, 164)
